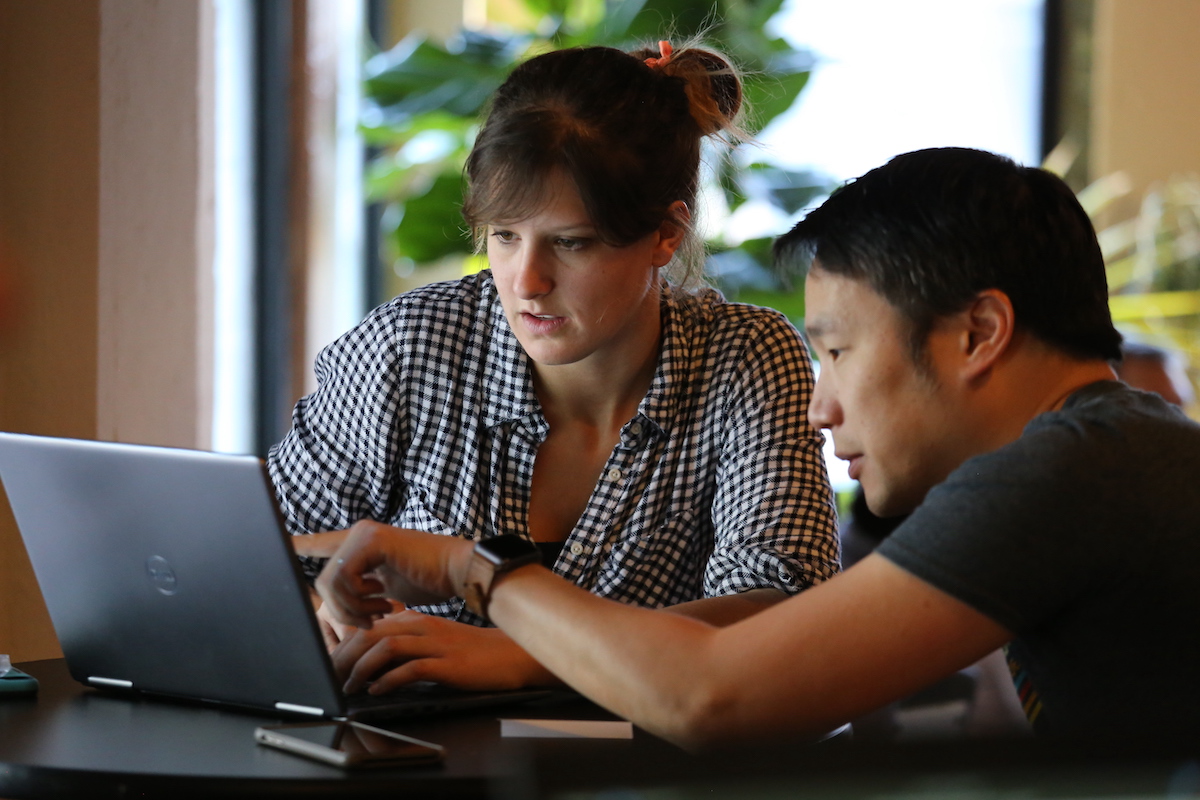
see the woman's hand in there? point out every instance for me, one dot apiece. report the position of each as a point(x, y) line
point(324, 545)
point(376, 562)
point(411, 646)
point(332, 631)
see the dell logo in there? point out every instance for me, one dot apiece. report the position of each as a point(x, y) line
point(161, 575)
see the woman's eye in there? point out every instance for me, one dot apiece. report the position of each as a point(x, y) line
point(568, 243)
point(504, 236)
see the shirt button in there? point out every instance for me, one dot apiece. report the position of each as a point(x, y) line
point(635, 429)
point(614, 474)
point(576, 549)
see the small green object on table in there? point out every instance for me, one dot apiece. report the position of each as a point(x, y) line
point(14, 682)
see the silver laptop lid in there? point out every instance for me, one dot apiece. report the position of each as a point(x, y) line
point(168, 571)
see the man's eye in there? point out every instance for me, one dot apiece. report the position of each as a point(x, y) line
point(504, 236)
point(569, 243)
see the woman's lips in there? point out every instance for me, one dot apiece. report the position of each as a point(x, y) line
point(542, 323)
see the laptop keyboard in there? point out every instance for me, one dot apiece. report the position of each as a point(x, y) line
point(423, 690)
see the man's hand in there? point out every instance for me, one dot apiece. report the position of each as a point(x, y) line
point(318, 545)
point(376, 562)
point(411, 646)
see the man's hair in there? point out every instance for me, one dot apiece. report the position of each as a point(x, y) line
point(932, 229)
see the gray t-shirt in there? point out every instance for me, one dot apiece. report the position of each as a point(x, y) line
point(1083, 538)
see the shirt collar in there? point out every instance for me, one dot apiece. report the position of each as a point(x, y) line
point(659, 406)
point(508, 379)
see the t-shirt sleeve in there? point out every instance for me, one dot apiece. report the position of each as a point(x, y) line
point(773, 514)
point(1010, 533)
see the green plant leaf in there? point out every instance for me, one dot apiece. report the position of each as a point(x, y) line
point(418, 76)
point(775, 89)
point(788, 190)
point(556, 8)
point(759, 12)
point(729, 178)
point(426, 232)
point(744, 274)
point(421, 86)
point(674, 18)
point(618, 18)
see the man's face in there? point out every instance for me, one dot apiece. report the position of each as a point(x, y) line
point(889, 417)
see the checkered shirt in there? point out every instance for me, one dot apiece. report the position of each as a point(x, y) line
point(425, 417)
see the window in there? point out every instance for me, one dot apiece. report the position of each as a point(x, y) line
point(894, 77)
point(289, 214)
point(233, 229)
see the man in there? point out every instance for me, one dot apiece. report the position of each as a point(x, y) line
point(957, 303)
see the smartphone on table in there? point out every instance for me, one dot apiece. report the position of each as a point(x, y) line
point(350, 744)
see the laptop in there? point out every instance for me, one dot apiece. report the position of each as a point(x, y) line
point(169, 572)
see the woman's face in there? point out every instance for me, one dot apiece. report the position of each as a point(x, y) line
point(570, 298)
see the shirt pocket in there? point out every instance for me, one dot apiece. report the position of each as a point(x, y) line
point(671, 542)
point(662, 565)
point(420, 514)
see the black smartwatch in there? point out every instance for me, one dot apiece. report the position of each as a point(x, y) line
point(494, 557)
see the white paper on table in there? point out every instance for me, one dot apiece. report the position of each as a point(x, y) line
point(566, 728)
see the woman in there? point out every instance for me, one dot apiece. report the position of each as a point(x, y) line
point(651, 440)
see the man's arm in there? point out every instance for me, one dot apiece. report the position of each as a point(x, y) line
point(730, 608)
point(410, 646)
point(719, 611)
point(806, 665)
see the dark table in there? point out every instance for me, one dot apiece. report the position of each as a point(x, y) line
point(72, 741)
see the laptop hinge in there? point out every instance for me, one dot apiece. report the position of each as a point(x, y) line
point(117, 682)
point(295, 709)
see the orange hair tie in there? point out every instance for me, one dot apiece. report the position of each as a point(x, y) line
point(665, 50)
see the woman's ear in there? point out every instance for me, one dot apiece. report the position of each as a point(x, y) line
point(671, 232)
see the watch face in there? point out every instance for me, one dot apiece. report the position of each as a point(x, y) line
point(507, 548)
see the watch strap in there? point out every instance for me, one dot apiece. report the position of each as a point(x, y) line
point(478, 590)
point(493, 557)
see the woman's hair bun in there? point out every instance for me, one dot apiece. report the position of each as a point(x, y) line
point(714, 88)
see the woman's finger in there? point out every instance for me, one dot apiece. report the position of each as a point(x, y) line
point(390, 650)
point(352, 598)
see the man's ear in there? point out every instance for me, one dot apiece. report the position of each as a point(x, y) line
point(988, 327)
point(671, 232)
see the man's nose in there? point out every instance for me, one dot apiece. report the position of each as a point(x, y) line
point(823, 408)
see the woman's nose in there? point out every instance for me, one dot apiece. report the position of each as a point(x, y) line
point(533, 277)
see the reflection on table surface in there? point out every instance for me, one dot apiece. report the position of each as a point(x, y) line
point(71, 740)
point(69, 733)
